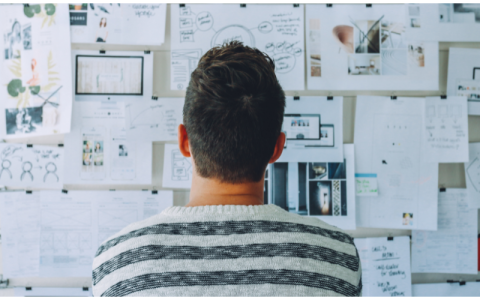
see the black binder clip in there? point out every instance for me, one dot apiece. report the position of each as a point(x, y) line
point(146, 52)
point(26, 5)
point(393, 97)
point(243, 5)
point(102, 51)
point(154, 192)
point(368, 5)
point(112, 190)
point(390, 238)
point(28, 192)
point(451, 281)
point(181, 5)
point(462, 283)
point(154, 98)
point(60, 145)
point(442, 189)
point(296, 5)
point(443, 97)
point(329, 97)
point(85, 288)
point(296, 98)
point(29, 145)
point(329, 5)
point(65, 191)
point(28, 288)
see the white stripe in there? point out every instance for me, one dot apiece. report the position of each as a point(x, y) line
point(224, 240)
point(253, 290)
point(188, 265)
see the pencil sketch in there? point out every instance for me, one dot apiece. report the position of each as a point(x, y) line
point(181, 167)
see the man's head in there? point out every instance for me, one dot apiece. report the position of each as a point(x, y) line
point(233, 114)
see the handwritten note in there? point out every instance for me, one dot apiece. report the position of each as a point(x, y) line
point(446, 129)
point(366, 185)
point(385, 266)
point(453, 247)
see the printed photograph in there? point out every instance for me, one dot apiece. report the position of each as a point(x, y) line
point(317, 171)
point(407, 219)
point(320, 198)
point(315, 49)
point(416, 56)
point(78, 6)
point(23, 120)
point(367, 36)
point(394, 62)
point(122, 150)
point(337, 171)
point(13, 41)
point(459, 13)
point(98, 153)
point(364, 64)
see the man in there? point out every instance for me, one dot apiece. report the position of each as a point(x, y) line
point(225, 242)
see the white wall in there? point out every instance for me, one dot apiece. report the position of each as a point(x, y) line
point(451, 175)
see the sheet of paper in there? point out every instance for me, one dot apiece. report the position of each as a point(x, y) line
point(472, 175)
point(354, 47)
point(464, 76)
point(314, 128)
point(97, 150)
point(366, 185)
point(20, 223)
point(52, 292)
point(470, 289)
point(385, 266)
point(388, 142)
point(453, 247)
point(445, 132)
point(56, 233)
point(36, 79)
point(325, 190)
point(118, 23)
point(30, 166)
point(274, 29)
point(112, 76)
point(177, 169)
point(68, 232)
point(444, 22)
point(153, 120)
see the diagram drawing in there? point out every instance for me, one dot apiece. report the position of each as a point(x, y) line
point(181, 167)
point(7, 155)
point(117, 218)
point(155, 116)
point(55, 241)
point(66, 217)
point(197, 28)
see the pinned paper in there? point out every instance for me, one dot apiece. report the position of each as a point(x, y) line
point(366, 185)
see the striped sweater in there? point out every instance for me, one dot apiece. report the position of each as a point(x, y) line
point(231, 250)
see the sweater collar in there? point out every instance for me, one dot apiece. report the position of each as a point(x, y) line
point(223, 209)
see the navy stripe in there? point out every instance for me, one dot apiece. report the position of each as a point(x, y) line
point(226, 228)
point(154, 252)
point(280, 277)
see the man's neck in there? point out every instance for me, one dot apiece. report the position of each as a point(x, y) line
point(206, 191)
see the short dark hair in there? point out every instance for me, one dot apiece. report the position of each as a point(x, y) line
point(233, 113)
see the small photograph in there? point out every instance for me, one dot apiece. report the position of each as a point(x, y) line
point(415, 23)
point(416, 56)
point(317, 170)
point(320, 198)
point(315, 65)
point(393, 35)
point(367, 36)
point(98, 146)
point(413, 10)
point(87, 146)
point(364, 65)
point(13, 41)
point(87, 159)
point(78, 6)
point(394, 62)
point(34, 68)
point(315, 48)
point(337, 170)
point(98, 158)
point(407, 219)
point(459, 13)
point(122, 150)
point(343, 34)
point(23, 120)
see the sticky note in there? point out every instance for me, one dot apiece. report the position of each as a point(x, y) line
point(366, 185)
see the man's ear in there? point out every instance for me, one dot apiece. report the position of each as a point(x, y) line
point(277, 152)
point(183, 143)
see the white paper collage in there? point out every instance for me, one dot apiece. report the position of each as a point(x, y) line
point(102, 104)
